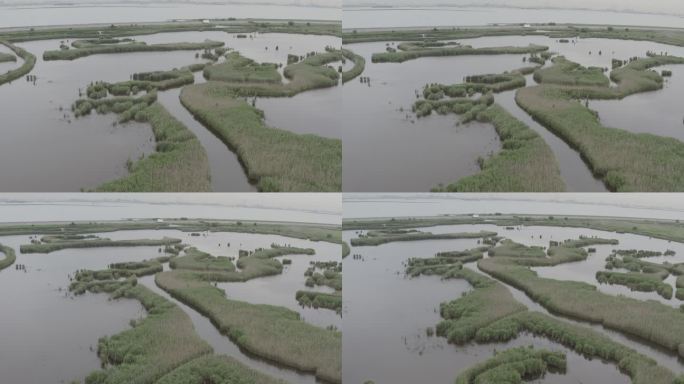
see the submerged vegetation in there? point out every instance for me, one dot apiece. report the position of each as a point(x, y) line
point(9, 256)
point(25, 68)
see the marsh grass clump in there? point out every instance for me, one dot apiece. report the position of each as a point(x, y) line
point(154, 346)
point(7, 57)
point(320, 300)
point(509, 248)
point(270, 332)
point(410, 50)
point(87, 49)
point(197, 260)
point(274, 159)
point(357, 69)
point(9, 256)
point(215, 369)
point(373, 238)
point(25, 68)
point(238, 68)
point(94, 243)
point(514, 366)
point(625, 161)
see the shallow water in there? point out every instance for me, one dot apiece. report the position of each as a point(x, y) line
point(48, 335)
point(385, 338)
point(47, 149)
point(416, 157)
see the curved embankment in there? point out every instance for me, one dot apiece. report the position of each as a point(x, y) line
point(180, 163)
point(9, 258)
point(25, 68)
point(275, 160)
point(270, 332)
point(357, 69)
point(625, 161)
point(242, 76)
point(98, 49)
point(414, 52)
point(525, 164)
point(489, 313)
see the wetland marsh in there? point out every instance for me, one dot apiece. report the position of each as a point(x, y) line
point(630, 102)
point(450, 307)
point(101, 301)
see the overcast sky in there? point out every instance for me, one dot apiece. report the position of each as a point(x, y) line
point(653, 6)
point(319, 3)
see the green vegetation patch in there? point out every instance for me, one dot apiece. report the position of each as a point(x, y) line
point(357, 69)
point(566, 72)
point(25, 68)
point(274, 159)
point(198, 260)
point(625, 161)
point(373, 238)
point(444, 263)
point(216, 370)
point(525, 163)
point(157, 344)
point(179, 164)
point(649, 320)
point(9, 256)
point(237, 68)
point(514, 366)
point(97, 49)
point(414, 52)
point(7, 57)
point(241, 76)
point(509, 248)
point(270, 332)
point(94, 243)
point(330, 275)
point(636, 282)
point(320, 300)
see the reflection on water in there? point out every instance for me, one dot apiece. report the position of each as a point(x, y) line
point(385, 332)
point(46, 149)
point(47, 335)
